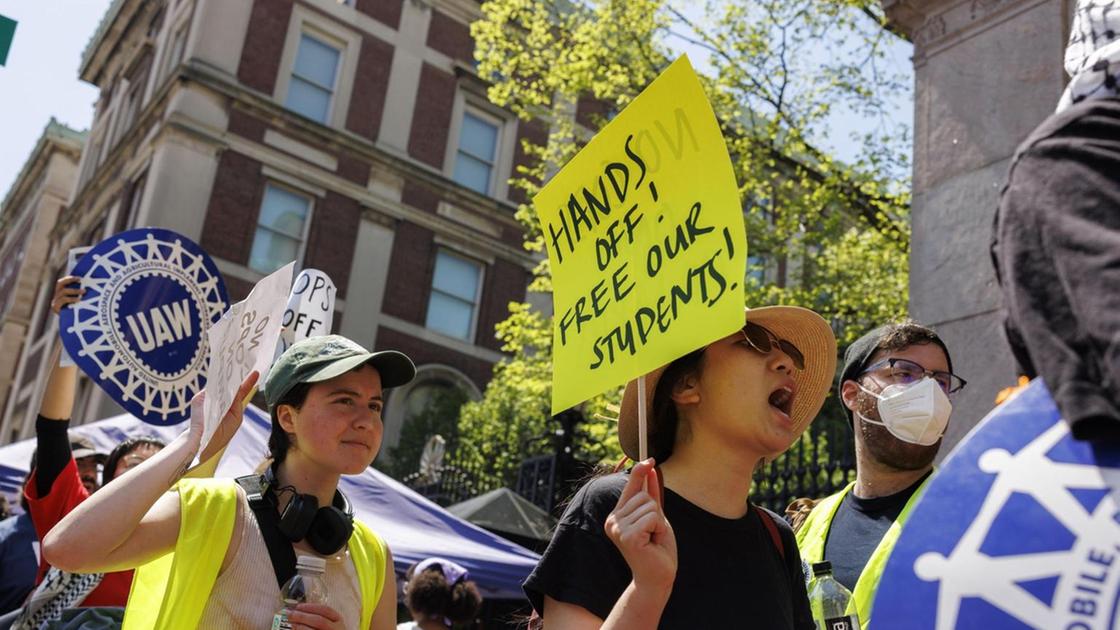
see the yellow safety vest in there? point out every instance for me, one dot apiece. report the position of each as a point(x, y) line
point(813, 533)
point(171, 592)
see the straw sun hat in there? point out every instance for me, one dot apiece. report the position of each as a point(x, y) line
point(802, 327)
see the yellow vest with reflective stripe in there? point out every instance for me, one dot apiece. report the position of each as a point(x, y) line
point(171, 592)
point(813, 533)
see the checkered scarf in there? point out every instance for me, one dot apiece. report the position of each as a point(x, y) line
point(57, 592)
point(1093, 53)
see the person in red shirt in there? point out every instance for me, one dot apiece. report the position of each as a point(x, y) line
point(67, 468)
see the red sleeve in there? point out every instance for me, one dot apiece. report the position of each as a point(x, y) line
point(65, 494)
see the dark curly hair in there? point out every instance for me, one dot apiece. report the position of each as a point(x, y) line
point(124, 448)
point(430, 595)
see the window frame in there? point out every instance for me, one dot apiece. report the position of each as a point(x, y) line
point(302, 250)
point(476, 306)
point(505, 145)
point(346, 40)
point(332, 91)
point(497, 124)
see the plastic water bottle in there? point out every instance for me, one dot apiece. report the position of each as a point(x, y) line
point(305, 587)
point(829, 599)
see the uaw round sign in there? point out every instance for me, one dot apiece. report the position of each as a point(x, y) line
point(140, 329)
point(1019, 529)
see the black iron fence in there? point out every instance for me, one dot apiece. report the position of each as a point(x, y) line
point(449, 484)
point(820, 463)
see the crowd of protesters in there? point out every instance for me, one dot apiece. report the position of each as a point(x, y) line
point(136, 538)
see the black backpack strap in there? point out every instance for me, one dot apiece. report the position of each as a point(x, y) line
point(775, 536)
point(280, 550)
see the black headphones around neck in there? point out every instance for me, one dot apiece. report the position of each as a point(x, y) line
point(327, 529)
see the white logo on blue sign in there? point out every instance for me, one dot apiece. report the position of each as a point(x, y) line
point(140, 329)
point(1020, 529)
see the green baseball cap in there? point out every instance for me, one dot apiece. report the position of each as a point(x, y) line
point(317, 359)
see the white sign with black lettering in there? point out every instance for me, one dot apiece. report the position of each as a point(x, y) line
point(310, 311)
point(243, 341)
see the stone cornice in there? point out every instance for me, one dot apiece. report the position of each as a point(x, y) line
point(933, 24)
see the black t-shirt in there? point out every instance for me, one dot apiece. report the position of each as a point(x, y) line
point(857, 527)
point(729, 572)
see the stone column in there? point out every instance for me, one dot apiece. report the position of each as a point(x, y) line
point(986, 73)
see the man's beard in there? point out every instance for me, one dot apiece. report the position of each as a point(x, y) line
point(886, 448)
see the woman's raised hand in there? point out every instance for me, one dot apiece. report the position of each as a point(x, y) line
point(66, 293)
point(230, 422)
point(639, 529)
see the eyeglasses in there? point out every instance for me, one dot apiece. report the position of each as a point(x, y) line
point(905, 372)
point(764, 342)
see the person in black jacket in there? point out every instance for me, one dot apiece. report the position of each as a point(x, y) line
point(1056, 239)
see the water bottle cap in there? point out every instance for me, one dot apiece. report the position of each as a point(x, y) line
point(315, 563)
point(820, 568)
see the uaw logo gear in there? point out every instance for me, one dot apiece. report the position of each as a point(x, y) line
point(140, 329)
point(1020, 529)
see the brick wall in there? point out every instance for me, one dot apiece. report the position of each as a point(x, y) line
point(235, 200)
point(450, 37)
point(367, 102)
point(431, 117)
point(590, 111)
point(505, 283)
point(353, 169)
point(384, 11)
point(246, 125)
point(536, 132)
point(419, 196)
point(264, 44)
point(410, 273)
point(423, 353)
point(332, 237)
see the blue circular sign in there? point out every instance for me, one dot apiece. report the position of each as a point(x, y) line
point(1019, 529)
point(140, 329)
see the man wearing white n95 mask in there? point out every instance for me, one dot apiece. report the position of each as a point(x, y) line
point(896, 387)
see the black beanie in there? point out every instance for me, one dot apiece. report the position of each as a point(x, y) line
point(860, 352)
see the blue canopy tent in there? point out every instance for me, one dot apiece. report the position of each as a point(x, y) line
point(414, 527)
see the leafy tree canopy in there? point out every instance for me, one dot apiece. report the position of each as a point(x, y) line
point(823, 233)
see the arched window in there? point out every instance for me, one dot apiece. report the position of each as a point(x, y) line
point(427, 406)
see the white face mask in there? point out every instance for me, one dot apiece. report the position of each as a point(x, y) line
point(917, 413)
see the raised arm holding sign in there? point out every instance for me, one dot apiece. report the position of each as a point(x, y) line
point(243, 342)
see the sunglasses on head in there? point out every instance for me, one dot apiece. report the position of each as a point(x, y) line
point(765, 341)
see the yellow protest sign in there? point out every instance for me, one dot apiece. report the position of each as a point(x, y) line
point(645, 237)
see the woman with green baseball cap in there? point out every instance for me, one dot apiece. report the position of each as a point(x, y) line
point(233, 543)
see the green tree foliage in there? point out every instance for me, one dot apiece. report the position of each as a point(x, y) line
point(832, 235)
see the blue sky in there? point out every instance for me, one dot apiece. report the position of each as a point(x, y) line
point(40, 80)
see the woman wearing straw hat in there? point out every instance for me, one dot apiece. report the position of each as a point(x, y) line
point(690, 551)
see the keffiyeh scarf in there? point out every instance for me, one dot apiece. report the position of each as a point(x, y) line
point(1093, 54)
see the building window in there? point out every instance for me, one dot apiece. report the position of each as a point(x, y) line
point(453, 306)
point(477, 153)
point(313, 79)
point(175, 53)
point(280, 229)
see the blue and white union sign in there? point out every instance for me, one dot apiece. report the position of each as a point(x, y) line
point(140, 329)
point(1019, 529)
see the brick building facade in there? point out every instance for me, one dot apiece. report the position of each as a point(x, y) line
point(353, 136)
